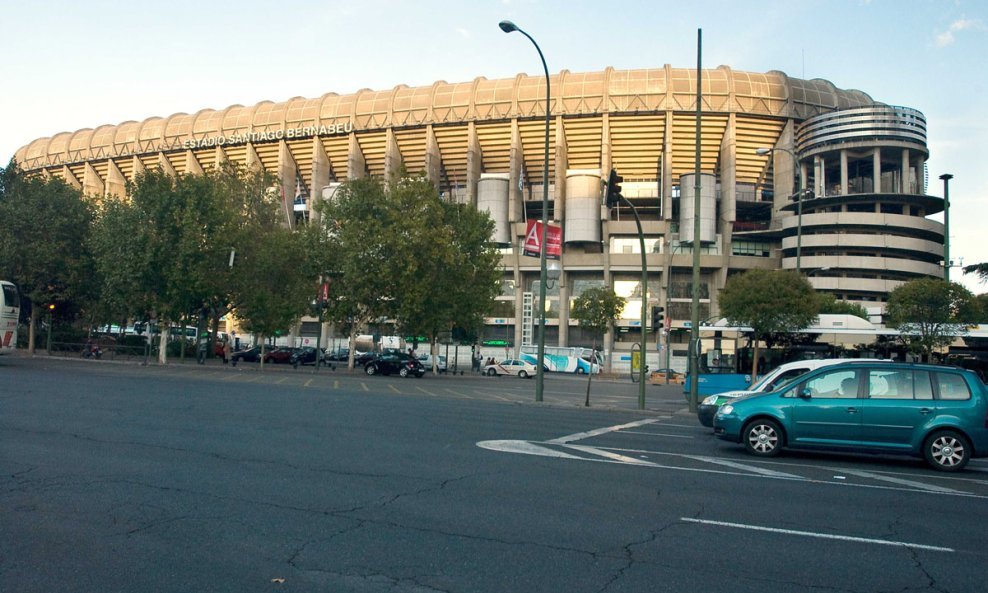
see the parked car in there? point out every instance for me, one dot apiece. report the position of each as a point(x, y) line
point(339, 355)
point(511, 366)
point(280, 355)
point(307, 355)
point(426, 360)
point(781, 374)
point(252, 354)
point(935, 412)
point(398, 363)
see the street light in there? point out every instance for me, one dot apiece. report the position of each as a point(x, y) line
point(946, 177)
point(799, 197)
point(508, 27)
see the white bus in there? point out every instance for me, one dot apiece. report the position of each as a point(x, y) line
point(564, 359)
point(10, 312)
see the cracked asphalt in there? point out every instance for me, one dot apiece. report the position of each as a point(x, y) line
point(118, 477)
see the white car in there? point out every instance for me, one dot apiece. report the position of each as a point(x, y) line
point(511, 366)
point(426, 360)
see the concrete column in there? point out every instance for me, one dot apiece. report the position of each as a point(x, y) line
point(192, 165)
point(116, 183)
point(392, 155)
point(433, 158)
point(843, 173)
point(819, 183)
point(561, 164)
point(70, 177)
point(220, 157)
point(253, 161)
point(356, 166)
point(667, 170)
point(92, 184)
point(475, 164)
point(904, 175)
point(321, 176)
point(516, 165)
point(728, 183)
point(287, 172)
point(166, 165)
point(877, 173)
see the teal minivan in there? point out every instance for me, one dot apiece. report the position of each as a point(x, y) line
point(935, 412)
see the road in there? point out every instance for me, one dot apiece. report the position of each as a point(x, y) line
point(117, 477)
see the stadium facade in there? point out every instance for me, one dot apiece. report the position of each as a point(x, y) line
point(858, 229)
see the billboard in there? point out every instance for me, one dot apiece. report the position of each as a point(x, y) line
point(553, 240)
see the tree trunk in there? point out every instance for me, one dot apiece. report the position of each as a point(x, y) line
point(261, 359)
point(163, 344)
point(754, 362)
point(352, 348)
point(30, 329)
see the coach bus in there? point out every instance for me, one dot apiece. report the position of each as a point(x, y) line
point(564, 359)
point(10, 312)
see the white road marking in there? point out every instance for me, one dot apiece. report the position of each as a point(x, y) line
point(599, 431)
point(902, 482)
point(847, 538)
point(612, 456)
point(657, 434)
point(742, 466)
point(525, 448)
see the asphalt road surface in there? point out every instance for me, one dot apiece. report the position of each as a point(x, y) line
point(123, 478)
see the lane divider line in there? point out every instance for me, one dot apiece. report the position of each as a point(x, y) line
point(599, 431)
point(846, 538)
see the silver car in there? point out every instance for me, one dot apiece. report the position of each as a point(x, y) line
point(511, 366)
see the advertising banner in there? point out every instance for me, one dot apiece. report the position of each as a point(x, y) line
point(553, 240)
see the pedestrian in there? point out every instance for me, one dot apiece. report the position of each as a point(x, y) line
point(226, 350)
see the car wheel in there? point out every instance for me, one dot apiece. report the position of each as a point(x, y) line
point(947, 450)
point(762, 437)
point(370, 369)
point(580, 371)
point(523, 374)
point(491, 372)
point(403, 372)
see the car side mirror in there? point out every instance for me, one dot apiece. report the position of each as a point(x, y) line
point(806, 393)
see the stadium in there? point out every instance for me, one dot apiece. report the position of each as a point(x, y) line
point(796, 174)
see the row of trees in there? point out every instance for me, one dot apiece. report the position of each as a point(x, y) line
point(929, 313)
point(207, 245)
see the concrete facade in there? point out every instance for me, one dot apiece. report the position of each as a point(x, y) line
point(863, 229)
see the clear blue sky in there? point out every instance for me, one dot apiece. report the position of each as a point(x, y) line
point(70, 65)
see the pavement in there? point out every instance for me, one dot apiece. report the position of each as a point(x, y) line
point(608, 390)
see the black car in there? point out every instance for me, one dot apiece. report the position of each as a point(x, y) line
point(307, 355)
point(339, 355)
point(399, 363)
point(252, 354)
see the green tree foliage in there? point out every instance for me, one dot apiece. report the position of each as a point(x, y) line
point(395, 250)
point(769, 301)
point(929, 313)
point(275, 282)
point(44, 228)
point(164, 251)
point(829, 304)
point(596, 309)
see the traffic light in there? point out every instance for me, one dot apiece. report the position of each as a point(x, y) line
point(613, 189)
point(657, 318)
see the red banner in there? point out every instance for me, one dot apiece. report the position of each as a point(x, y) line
point(553, 240)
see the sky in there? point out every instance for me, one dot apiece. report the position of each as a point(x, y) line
point(69, 65)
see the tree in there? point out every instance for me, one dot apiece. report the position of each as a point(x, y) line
point(596, 309)
point(980, 269)
point(829, 304)
point(395, 250)
point(275, 283)
point(929, 313)
point(768, 301)
point(44, 228)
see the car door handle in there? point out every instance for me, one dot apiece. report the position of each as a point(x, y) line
point(852, 410)
point(925, 411)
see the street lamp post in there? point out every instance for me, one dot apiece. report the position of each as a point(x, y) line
point(799, 198)
point(508, 27)
point(946, 177)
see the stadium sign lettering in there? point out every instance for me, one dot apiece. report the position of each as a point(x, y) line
point(289, 134)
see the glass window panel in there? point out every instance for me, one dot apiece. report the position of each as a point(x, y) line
point(841, 384)
point(952, 387)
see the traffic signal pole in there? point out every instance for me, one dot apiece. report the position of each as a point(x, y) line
point(613, 196)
